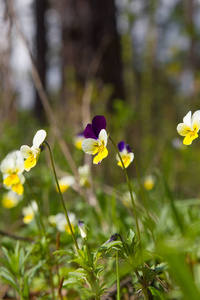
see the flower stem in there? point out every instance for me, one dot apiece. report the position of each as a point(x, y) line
point(61, 197)
point(131, 193)
point(118, 278)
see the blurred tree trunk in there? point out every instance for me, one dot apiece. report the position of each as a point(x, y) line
point(91, 46)
point(41, 49)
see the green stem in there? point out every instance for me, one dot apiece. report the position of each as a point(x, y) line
point(143, 196)
point(131, 193)
point(118, 278)
point(61, 197)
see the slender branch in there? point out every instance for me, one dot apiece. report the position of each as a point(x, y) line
point(42, 93)
point(16, 237)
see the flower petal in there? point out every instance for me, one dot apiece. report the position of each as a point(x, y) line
point(89, 132)
point(121, 146)
point(183, 129)
point(89, 145)
point(189, 138)
point(98, 123)
point(188, 119)
point(196, 120)
point(39, 138)
point(103, 137)
point(26, 151)
point(11, 179)
point(18, 188)
point(101, 155)
point(30, 163)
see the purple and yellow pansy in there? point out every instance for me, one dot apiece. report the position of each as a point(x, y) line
point(126, 154)
point(96, 139)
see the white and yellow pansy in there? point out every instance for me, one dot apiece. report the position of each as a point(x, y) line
point(10, 199)
point(31, 154)
point(60, 222)
point(65, 182)
point(29, 212)
point(190, 127)
point(12, 167)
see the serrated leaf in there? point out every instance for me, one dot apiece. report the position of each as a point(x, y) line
point(109, 246)
point(64, 252)
point(157, 295)
point(70, 280)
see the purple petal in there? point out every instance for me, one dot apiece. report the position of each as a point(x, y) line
point(121, 146)
point(98, 123)
point(128, 148)
point(89, 132)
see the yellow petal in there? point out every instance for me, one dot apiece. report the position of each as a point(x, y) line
point(30, 162)
point(18, 188)
point(63, 188)
point(101, 155)
point(11, 179)
point(189, 138)
point(28, 218)
point(8, 203)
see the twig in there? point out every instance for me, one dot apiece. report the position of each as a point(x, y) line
point(16, 237)
point(42, 93)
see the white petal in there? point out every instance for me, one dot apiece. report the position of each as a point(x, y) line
point(131, 155)
point(196, 118)
point(89, 145)
point(26, 151)
point(67, 180)
point(39, 138)
point(188, 119)
point(7, 165)
point(103, 137)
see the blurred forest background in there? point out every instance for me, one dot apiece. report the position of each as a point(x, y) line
point(135, 61)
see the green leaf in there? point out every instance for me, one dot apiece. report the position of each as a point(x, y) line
point(21, 261)
point(6, 263)
point(7, 254)
point(30, 273)
point(157, 295)
point(8, 278)
point(64, 252)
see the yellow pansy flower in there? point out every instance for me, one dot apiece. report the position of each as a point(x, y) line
point(190, 127)
point(31, 154)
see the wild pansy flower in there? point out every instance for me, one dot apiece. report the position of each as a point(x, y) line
point(82, 229)
point(10, 199)
point(126, 154)
point(78, 139)
point(190, 127)
point(12, 168)
point(65, 182)
point(29, 212)
point(149, 182)
point(96, 139)
point(31, 154)
point(60, 221)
